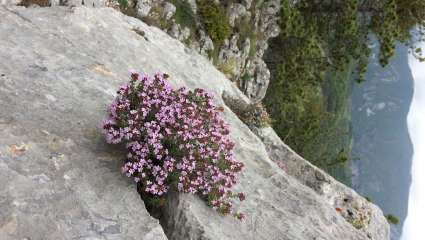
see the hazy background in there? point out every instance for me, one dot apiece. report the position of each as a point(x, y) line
point(382, 148)
point(414, 225)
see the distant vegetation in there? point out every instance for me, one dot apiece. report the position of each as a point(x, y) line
point(123, 3)
point(322, 47)
point(368, 199)
point(392, 219)
point(184, 14)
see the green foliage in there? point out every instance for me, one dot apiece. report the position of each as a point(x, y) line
point(410, 13)
point(310, 109)
point(245, 29)
point(368, 199)
point(392, 21)
point(254, 115)
point(392, 219)
point(215, 21)
point(384, 25)
point(245, 78)
point(227, 67)
point(323, 46)
point(123, 3)
point(342, 157)
point(184, 14)
point(350, 22)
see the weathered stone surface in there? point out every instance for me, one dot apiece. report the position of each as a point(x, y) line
point(354, 208)
point(236, 11)
point(48, 3)
point(266, 21)
point(143, 7)
point(59, 180)
point(278, 206)
point(10, 2)
point(247, 3)
point(177, 32)
point(87, 3)
point(231, 61)
point(169, 10)
point(241, 62)
point(205, 44)
point(59, 67)
point(255, 86)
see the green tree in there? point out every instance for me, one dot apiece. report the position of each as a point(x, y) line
point(323, 45)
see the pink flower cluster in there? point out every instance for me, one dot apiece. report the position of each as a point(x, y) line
point(175, 138)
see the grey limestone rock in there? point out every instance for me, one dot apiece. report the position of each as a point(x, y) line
point(354, 208)
point(59, 68)
point(249, 70)
point(143, 7)
point(236, 11)
point(59, 179)
point(10, 2)
point(169, 10)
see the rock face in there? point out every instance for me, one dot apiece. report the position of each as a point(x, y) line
point(59, 179)
point(240, 57)
point(355, 209)
point(59, 67)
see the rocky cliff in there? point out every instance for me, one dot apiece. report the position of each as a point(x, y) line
point(236, 47)
point(60, 67)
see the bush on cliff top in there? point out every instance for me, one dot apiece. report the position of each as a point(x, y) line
point(174, 138)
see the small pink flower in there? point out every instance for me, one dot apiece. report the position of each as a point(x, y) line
point(241, 196)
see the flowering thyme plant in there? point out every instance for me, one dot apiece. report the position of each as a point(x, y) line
point(175, 138)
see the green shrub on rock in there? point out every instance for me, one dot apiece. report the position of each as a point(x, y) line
point(392, 219)
point(215, 21)
point(184, 14)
